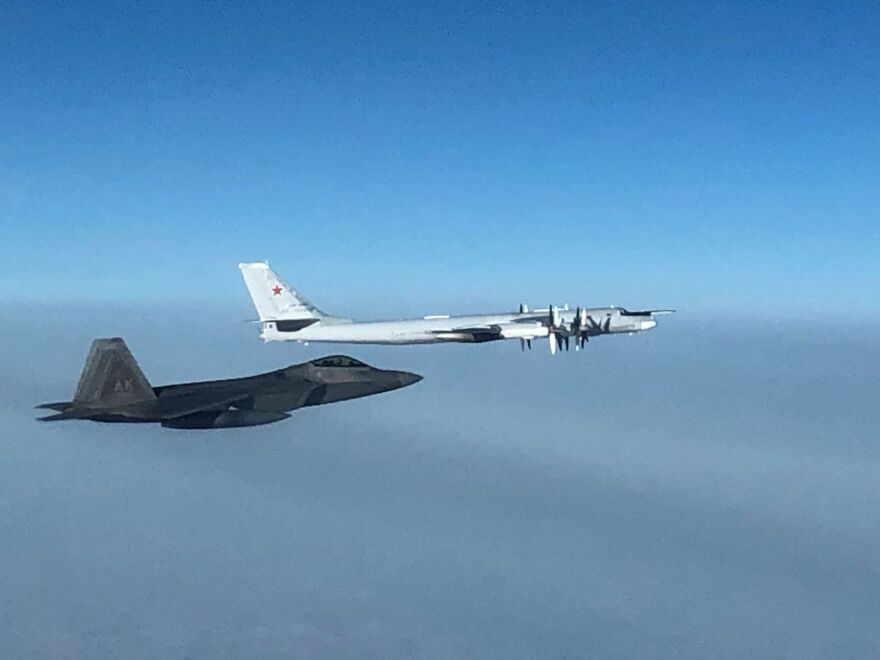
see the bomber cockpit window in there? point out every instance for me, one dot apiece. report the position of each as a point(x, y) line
point(338, 361)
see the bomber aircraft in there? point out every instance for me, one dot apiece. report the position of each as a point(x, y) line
point(112, 388)
point(285, 315)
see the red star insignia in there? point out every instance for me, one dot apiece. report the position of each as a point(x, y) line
point(277, 290)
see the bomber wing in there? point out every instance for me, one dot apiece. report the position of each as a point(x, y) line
point(522, 330)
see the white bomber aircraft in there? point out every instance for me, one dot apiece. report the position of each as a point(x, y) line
point(285, 315)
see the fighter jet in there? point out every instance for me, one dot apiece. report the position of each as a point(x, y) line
point(286, 315)
point(112, 388)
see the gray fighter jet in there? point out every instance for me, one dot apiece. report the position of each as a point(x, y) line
point(112, 388)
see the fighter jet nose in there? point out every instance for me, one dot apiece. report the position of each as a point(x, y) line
point(407, 378)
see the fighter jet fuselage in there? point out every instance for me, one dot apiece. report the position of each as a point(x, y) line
point(113, 389)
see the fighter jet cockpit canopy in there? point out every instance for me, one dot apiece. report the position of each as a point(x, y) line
point(338, 361)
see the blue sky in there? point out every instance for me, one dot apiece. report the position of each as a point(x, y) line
point(693, 155)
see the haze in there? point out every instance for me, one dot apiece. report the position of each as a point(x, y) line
point(694, 492)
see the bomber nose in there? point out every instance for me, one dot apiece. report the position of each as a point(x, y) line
point(647, 325)
point(407, 378)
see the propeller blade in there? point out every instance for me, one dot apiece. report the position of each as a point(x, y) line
point(554, 317)
point(551, 342)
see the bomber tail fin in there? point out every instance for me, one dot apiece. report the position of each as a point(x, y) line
point(111, 377)
point(273, 299)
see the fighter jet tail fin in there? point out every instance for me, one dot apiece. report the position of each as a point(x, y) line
point(274, 299)
point(111, 377)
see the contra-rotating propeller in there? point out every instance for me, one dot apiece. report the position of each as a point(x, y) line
point(579, 328)
point(554, 329)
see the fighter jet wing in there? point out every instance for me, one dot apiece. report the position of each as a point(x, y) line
point(172, 407)
point(188, 404)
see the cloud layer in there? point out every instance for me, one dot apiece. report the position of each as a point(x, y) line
point(708, 489)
